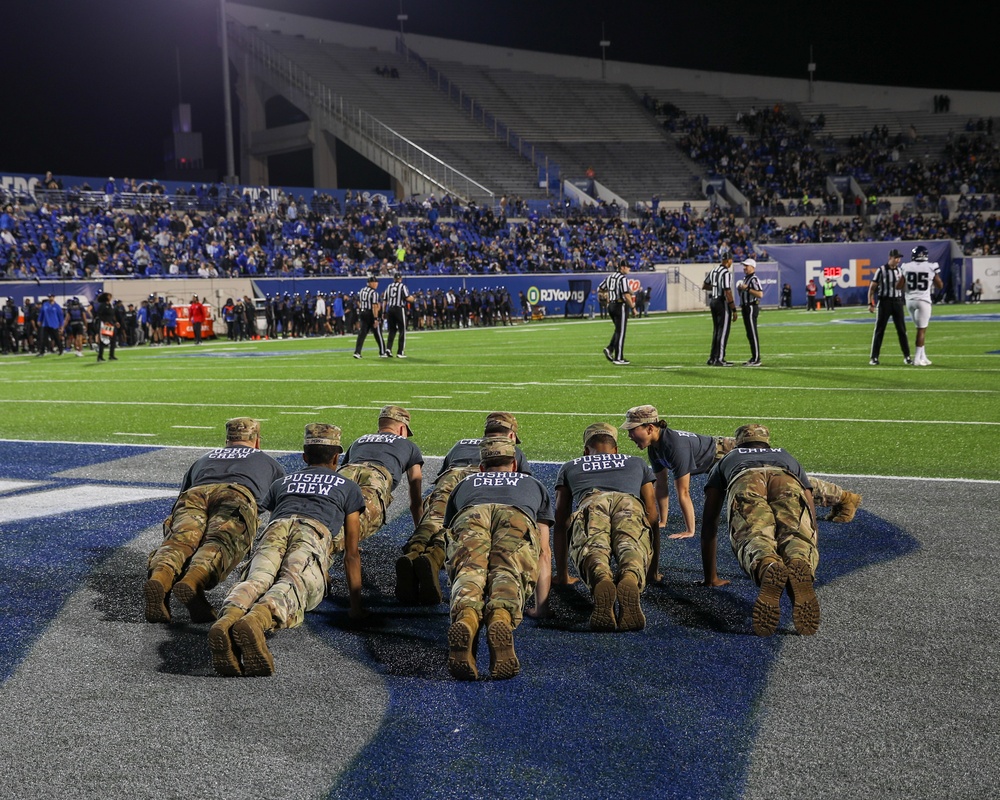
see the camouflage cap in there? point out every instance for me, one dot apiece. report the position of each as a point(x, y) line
point(640, 415)
point(496, 447)
point(242, 429)
point(321, 433)
point(753, 432)
point(599, 429)
point(502, 419)
point(397, 413)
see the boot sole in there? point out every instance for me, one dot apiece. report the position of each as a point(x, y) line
point(602, 618)
point(767, 607)
point(631, 617)
point(406, 581)
point(257, 659)
point(224, 658)
point(805, 604)
point(428, 582)
point(461, 658)
point(503, 659)
point(156, 602)
point(197, 605)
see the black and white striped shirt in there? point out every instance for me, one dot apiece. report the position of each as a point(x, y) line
point(884, 281)
point(367, 298)
point(617, 283)
point(721, 279)
point(751, 283)
point(395, 294)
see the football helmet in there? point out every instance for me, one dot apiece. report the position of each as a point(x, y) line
point(919, 253)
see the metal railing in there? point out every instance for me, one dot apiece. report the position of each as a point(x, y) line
point(319, 99)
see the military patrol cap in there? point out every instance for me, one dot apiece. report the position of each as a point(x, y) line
point(321, 433)
point(502, 419)
point(242, 429)
point(640, 415)
point(496, 447)
point(397, 413)
point(753, 432)
point(599, 429)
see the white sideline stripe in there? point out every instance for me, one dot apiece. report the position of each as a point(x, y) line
point(525, 413)
point(126, 433)
point(75, 498)
point(904, 478)
point(194, 427)
point(13, 486)
point(594, 380)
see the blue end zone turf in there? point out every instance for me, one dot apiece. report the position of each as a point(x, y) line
point(669, 711)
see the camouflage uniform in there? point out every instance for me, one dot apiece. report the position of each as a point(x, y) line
point(492, 547)
point(606, 524)
point(210, 527)
point(429, 532)
point(288, 570)
point(769, 516)
point(376, 486)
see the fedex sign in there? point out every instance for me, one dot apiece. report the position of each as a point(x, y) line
point(858, 272)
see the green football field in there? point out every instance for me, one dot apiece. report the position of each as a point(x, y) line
point(816, 390)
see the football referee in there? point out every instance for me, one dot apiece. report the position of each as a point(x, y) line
point(720, 283)
point(395, 297)
point(750, 294)
point(890, 304)
point(370, 317)
point(621, 303)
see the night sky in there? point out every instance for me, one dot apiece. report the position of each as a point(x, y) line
point(90, 85)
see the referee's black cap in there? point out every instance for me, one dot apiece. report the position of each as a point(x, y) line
point(894, 253)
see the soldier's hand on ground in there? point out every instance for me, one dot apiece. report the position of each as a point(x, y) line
point(716, 582)
point(569, 580)
point(682, 535)
point(358, 614)
point(538, 613)
point(653, 575)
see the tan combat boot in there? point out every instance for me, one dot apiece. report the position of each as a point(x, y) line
point(220, 643)
point(500, 638)
point(463, 636)
point(157, 594)
point(428, 570)
point(630, 616)
point(767, 608)
point(248, 635)
point(190, 590)
point(805, 604)
point(845, 510)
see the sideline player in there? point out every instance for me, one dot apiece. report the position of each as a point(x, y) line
point(917, 277)
point(890, 306)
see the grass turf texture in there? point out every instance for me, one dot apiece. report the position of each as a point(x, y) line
point(816, 390)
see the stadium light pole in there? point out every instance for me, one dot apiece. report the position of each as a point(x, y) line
point(811, 66)
point(605, 44)
point(230, 178)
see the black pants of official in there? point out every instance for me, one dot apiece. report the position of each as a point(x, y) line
point(369, 325)
point(720, 328)
point(396, 317)
point(750, 313)
point(619, 315)
point(894, 309)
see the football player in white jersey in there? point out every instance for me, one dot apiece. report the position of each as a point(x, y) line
point(916, 279)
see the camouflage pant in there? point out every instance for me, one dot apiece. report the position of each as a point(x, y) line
point(825, 493)
point(287, 571)
point(210, 527)
point(492, 560)
point(429, 531)
point(610, 524)
point(376, 487)
point(769, 516)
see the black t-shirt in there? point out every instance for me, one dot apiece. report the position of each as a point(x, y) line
point(741, 459)
point(465, 453)
point(502, 488)
point(246, 466)
point(681, 452)
point(396, 453)
point(610, 472)
point(315, 492)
